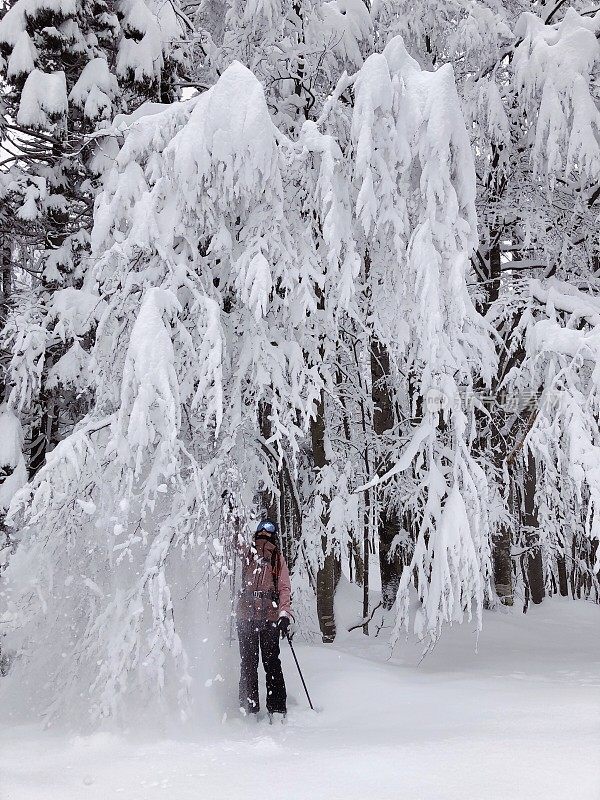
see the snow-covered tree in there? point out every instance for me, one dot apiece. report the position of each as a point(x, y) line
point(527, 77)
point(297, 49)
point(415, 183)
point(538, 155)
point(211, 287)
point(70, 67)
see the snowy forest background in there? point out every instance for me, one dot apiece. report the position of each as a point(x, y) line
point(337, 262)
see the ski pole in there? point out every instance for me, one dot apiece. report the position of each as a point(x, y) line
point(299, 670)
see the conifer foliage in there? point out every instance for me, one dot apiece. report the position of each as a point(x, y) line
point(70, 67)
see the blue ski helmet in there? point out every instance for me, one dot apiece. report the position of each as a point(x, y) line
point(268, 526)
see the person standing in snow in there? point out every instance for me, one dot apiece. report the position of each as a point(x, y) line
point(263, 615)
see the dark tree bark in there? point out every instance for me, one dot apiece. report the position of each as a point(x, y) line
point(290, 514)
point(502, 545)
point(487, 265)
point(502, 565)
point(270, 506)
point(356, 562)
point(362, 560)
point(563, 586)
point(529, 520)
point(5, 299)
point(282, 504)
point(366, 550)
point(5, 274)
point(329, 574)
point(45, 432)
point(488, 268)
point(388, 524)
point(494, 270)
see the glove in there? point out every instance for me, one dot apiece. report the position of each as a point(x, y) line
point(283, 623)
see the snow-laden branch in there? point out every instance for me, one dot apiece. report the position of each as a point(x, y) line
point(407, 457)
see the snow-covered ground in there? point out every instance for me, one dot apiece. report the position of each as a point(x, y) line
point(520, 719)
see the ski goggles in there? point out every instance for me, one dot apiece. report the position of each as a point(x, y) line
point(268, 526)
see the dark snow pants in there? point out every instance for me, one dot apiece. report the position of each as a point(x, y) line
point(263, 635)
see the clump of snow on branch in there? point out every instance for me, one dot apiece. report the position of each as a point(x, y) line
point(13, 472)
point(43, 100)
point(553, 66)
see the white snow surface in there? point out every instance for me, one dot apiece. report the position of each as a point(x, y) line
point(518, 719)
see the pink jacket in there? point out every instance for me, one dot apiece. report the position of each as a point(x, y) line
point(264, 572)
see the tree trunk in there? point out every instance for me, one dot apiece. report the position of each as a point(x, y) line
point(329, 573)
point(388, 524)
point(270, 506)
point(5, 297)
point(45, 433)
point(366, 538)
point(5, 275)
point(488, 267)
point(502, 542)
point(495, 269)
point(356, 563)
point(290, 515)
point(502, 563)
point(563, 586)
point(502, 556)
point(529, 520)
point(281, 504)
